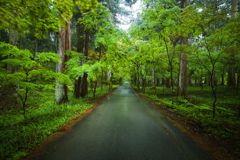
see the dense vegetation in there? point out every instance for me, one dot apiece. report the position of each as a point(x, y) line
point(185, 56)
point(56, 57)
point(56, 54)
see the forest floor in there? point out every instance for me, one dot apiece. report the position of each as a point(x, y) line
point(19, 135)
point(194, 114)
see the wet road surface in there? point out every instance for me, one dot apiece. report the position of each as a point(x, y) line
point(124, 127)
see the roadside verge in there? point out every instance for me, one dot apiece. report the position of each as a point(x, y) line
point(67, 127)
point(192, 129)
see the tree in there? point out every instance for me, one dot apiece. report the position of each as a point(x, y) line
point(28, 72)
point(64, 44)
point(232, 63)
point(182, 80)
point(211, 46)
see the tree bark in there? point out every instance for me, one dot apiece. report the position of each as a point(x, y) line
point(231, 75)
point(182, 82)
point(94, 88)
point(222, 78)
point(84, 84)
point(80, 47)
point(234, 8)
point(238, 83)
point(154, 79)
point(213, 85)
point(77, 85)
point(231, 70)
point(61, 92)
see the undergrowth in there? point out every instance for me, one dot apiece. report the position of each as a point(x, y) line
point(19, 135)
point(197, 108)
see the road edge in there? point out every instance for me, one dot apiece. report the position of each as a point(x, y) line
point(187, 126)
point(66, 128)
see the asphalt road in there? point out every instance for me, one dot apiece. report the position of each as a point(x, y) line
point(124, 127)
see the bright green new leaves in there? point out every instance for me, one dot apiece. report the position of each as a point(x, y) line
point(76, 68)
point(85, 5)
point(28, 16)
point(64, 10)
point(23, 62)
point(96, 19)
point(95, 70)
point(45, 57)
point(24, 71)
point(12, 15)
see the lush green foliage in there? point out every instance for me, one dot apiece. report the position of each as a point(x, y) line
point(166, 31)
point(31, 35)
point(21, 135)
point(93, 52)
point(197, 108)
point(202, 36)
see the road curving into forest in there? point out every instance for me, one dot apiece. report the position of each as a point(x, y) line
point(124, 127)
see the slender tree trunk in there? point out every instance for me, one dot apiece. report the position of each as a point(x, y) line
point(154, 80)
point(138, 77)
point(109, 79)
point(238, 83)
point(171, 77)
point(231, 74)
point(24, 98)
point(61, 92)
point(214, 90)
point(102, 76)
point(94, 88)
point(143, 84)
point(222, 78)
point(163, 86)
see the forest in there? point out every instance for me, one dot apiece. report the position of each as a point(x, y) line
point(58, 57)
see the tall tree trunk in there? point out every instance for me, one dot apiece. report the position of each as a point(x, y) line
point(222, 78)
point(232, 62)
point(238, 83)
point(61, 92)
point(77, 85)
point(231, 75)
point(94, 88)
point(234, 8)
point(182, 82)
point(80, 49)
point(154, 79)
point(84, 84)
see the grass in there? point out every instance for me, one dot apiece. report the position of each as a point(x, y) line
point(19, 135)
point(197, 108)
